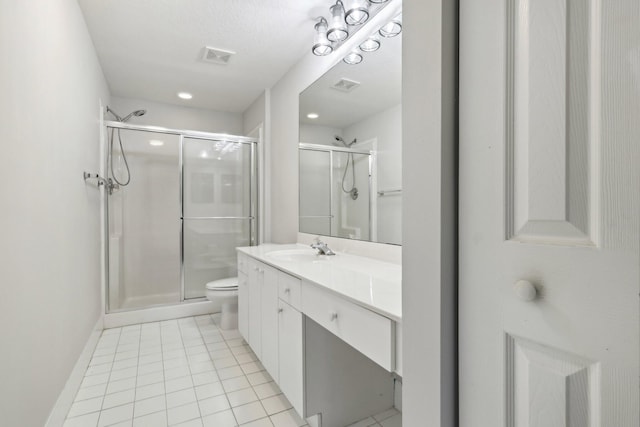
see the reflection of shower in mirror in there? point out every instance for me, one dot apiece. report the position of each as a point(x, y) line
point(353, 191)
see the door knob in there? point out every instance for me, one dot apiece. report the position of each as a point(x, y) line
point(525, 290)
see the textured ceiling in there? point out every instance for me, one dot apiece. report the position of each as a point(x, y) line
point(152, 49)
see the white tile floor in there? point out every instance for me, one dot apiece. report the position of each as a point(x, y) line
point(183, 372)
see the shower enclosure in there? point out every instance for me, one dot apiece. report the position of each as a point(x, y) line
point(191, 200)
point(328, 204)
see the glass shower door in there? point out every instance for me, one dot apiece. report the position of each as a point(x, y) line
point(218, 209)
point(144, 221)
point(315, 192)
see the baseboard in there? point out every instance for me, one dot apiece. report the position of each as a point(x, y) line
point(156, 314)
point(68, 394)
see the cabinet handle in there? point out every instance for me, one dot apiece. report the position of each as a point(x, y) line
point(286, 291)
point(334, 316)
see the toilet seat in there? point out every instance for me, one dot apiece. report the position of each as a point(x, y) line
point(228, 284)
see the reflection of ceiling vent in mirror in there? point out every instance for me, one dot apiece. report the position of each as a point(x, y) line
point(345, 85)
point(217, 56)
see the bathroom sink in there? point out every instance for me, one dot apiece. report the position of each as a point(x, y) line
point(297, 255)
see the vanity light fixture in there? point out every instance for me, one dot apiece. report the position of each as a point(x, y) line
point(392, 28)
point(321, 44)
point(312, 116)
point(338, 29)
point(356, 12)
point(184, 95)
point(350, 13)
point(353, 58)
point(370, 45)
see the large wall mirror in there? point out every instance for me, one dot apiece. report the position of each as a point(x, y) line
point(351, 149)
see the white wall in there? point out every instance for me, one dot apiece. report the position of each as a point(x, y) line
point(429, 204)
point(254, 116)
point(178, 117)
point(317, 134)
point(50, 292)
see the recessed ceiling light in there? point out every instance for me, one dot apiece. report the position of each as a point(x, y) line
point(156, 142)
point(312, 116)
point(184, 95)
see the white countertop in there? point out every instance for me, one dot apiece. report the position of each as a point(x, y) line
point(373, 284)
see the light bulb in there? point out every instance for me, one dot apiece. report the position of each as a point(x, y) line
point(353, 58)
point(392, 28)
point(338, 29)
point(356, 12)
point(321, 44)
point(370, 45)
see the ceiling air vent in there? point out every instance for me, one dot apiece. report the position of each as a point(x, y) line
point(345, 85)
point(217, 56)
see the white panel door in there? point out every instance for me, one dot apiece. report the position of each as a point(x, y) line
point(549, 213)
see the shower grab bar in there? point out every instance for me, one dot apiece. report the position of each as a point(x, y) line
point(101, 180)
point(389, 192)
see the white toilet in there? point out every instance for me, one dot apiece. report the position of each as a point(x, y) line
point(223, 294)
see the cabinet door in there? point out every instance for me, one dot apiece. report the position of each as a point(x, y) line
point(243, 305)
point(291, 356)
point(269, 313)
point(254, 285)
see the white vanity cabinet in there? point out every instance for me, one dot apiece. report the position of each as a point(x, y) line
point(332, 358)
point(268, 283)
point(243, 296)
point(258, 310)
point(254, 297)
point(291, 355)
point(371, 334)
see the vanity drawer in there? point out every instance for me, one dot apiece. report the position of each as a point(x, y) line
point(368, 332)
point(243, 261)
point(289, 289)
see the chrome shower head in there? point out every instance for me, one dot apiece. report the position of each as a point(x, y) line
point(136, 113)
point(342, 141)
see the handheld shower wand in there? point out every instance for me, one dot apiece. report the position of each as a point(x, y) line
point(353, 192)
point(112, 186)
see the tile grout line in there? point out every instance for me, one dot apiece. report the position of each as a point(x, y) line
point(164, 380)
point(251, 385)
point(216, 369)
point(115, 351)
point(189, 368)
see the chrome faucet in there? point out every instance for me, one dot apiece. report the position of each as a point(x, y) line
point(322, 247)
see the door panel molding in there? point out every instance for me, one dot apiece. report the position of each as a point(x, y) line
point(552, 115)
point(547, 387)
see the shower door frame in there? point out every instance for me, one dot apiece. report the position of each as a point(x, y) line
point(331, 149)
point(254, 198)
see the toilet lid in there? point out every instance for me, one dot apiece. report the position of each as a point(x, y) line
point(227, 284)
